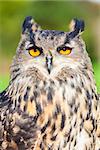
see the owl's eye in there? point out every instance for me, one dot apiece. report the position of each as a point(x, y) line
point(34, 51)
point(64, 50)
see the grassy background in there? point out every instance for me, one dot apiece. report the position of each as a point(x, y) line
point(50, 15)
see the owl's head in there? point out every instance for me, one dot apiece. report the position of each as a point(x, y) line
point(50, 51)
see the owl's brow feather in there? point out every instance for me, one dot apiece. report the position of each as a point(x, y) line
point(46, 33)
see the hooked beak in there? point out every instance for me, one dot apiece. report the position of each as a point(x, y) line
point(49, 59)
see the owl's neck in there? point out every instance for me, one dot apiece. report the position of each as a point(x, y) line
point(20, 81)
point(79, 76)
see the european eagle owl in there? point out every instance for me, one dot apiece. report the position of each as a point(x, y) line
point(51, 102)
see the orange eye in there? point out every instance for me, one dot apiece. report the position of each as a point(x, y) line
point(64, 50)
point(34, 52)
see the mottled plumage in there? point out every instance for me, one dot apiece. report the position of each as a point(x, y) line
point(51, 102)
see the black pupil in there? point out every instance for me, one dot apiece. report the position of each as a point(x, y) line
point(35, 50)
point(64, 48)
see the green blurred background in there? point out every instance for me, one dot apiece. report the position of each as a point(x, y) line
point(50, 15)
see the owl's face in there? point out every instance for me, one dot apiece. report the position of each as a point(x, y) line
point(50, 51)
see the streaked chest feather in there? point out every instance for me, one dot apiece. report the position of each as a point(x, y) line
point(58, 113)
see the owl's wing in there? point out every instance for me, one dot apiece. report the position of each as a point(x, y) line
point(4, 102)
point(16, 127)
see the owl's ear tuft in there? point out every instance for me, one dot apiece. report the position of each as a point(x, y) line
point(76, 27)
point(29, 25)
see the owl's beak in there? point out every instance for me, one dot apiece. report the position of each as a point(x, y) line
point(49, 59)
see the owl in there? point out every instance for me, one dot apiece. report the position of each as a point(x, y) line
point(51, 102)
